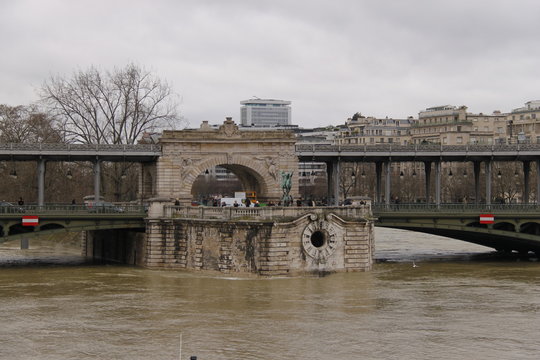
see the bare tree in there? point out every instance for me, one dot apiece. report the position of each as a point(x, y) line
point(114, 107)
point(25, 124)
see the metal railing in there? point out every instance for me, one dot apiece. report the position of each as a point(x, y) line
point(261, 213)
point(417, 148)
point(81, 147)
point(455, 208)
point(72, 210)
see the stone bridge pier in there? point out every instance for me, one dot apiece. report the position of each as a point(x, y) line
point(267, 241)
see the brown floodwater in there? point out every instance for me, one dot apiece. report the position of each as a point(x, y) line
point(458, 303)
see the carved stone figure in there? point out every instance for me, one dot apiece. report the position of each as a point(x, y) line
point(271, 165)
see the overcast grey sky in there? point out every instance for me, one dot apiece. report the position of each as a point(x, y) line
point(330, 58)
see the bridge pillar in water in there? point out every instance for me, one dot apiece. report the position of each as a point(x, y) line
point(267, 241)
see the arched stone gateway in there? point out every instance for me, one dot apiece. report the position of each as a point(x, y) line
point(256, 156)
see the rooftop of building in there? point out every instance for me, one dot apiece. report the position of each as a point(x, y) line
point(532, 105)
point(265, 102)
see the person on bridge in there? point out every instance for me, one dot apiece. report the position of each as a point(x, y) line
point(21, 201)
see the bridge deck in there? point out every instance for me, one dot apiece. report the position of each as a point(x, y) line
point(514, 227)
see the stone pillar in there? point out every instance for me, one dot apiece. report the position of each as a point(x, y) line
point(489, 164)
point(476, 167)
point(526, 181)
point(97, 179)
point(437, 183)
point(427, 172)
point(378, 178)
point(41, 181)
point(388, 184)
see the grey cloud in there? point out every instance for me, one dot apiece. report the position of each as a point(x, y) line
point(330, 58)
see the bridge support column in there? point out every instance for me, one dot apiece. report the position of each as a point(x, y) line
point(378, 186)
point(489, 164)
point(438, 183)
point(332, 172)
point(476, 167)
point(526, 181)
point(537, 182)
point(41, 182)
point(97, 180)
point(427, 172)
point(388, 183)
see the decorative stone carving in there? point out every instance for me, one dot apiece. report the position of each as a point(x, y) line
point(270, 166)
point(187, 165)
point(229, 128)
point(320, 240)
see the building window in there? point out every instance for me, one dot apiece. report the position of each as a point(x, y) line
point(459, 140)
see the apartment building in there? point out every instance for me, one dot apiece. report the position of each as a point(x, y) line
point(361, 130)
point(451, 125)
point(523, 124)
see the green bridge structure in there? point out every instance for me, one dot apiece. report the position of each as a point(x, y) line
point(515, 227)
point(68, 218)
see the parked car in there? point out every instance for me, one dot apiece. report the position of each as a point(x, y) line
point(103, 207)
point(7, 207)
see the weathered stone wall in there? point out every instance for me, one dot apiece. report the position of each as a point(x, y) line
point(256, 157)
point(312, 243)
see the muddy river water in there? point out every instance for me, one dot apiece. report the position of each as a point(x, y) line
point(458, 303)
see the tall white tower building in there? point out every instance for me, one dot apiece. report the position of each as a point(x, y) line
point(265, 112)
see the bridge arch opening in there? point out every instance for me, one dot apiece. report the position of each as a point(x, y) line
point(506, 226)
point(532, 228)
point(19, 229)
point(226, 179)
point(477, 224)
point(51, 226)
